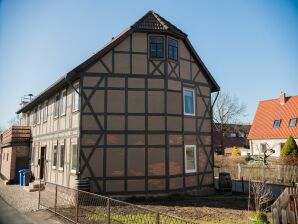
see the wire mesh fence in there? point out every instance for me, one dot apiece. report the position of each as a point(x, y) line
point(87, 208)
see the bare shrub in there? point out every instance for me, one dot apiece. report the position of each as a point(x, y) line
point(220, 160)
point(288, 160)
point(260, 196)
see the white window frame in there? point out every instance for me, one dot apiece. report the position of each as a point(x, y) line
point(38, 115)
point(59, 160)
point(45, 111)
point(73, 97)
point(54, 167)
point(56, 110)
point(291, 119)
point(261, 147)
point(71, 169)
point(194, 102)
point(63, 107)
point(185, 158)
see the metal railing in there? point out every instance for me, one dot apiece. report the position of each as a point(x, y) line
point(84, 207)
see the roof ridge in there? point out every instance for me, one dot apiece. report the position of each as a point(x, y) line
point(159, 19)
point(287, 97)
point(145, 23)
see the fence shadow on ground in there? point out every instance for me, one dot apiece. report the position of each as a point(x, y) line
point(83, 207)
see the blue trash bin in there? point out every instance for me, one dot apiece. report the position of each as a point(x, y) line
point(20, 176)
point(26, 177)
point(21, 179)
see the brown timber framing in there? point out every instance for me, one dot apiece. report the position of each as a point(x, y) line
point(104, 131)
point(165, 71)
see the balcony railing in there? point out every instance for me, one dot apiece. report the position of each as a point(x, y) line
point(15, 134)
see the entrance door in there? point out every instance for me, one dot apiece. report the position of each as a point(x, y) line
point(41, 162)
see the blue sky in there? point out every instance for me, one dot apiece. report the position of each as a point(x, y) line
point(250, 47)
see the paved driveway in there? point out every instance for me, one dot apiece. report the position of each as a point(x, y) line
point(10, 215)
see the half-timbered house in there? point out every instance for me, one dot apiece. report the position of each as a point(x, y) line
point(135, 118)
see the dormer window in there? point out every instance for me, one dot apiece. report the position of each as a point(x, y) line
point(156, 46)
point(276, 123)
point(292, 122)
point(173, 49)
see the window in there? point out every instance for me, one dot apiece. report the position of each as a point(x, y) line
point(38, 114)
point(292, 122)
point(61, 157)
point(54, 158)
point(74, 157)
point(33, 156)
point(156, 46)
point(45, 111)
point(3, 156)
point(63, 106)
point(56, 107)
point(7, 154)
point(276, 123)
point(75, 98)
point(282, 145)
point(173, 49)
point(189, 102)
point(35, 116)
point(263, 147)
point(190, 159)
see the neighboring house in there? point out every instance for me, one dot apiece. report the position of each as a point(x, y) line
point(274, 121)
point(135, 118)
point(14, 152)
point(235, 135)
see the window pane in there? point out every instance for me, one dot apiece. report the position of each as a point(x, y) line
point(55, 155)
point(190, 158)
point(45, 111)
point(276, 123)
point(63, 108)
point(293, 122)
point(56, 108)
point(156, 44)
point(188, 102)
point(74, 157)
point(61, 163)
point(173, 42)
point(76, 98)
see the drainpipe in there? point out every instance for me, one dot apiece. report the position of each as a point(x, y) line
point(212, 145)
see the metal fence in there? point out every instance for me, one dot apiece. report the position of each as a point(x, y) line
point(277, 174)
point(84, 207)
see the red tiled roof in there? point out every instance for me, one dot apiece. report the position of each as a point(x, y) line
point(270, 110)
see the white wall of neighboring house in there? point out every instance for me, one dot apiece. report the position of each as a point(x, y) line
point(255, 145)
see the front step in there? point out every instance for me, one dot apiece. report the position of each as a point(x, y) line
point(33, 186)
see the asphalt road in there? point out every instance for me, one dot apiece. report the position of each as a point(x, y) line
point(9, 215)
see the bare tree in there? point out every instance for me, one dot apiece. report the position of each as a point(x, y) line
point(260, 196)
point(227, 110)
point(265, 153)
point(14, 121)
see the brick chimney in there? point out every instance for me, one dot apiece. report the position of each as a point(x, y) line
point(282, 98)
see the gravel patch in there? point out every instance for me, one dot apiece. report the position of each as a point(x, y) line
point(27, 203)
point(19, 198)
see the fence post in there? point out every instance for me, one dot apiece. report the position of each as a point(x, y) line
point(109, 211)
point(77, 205)
point(239, 171)
point(157, 218)
point(39, 195)
point(56, 186)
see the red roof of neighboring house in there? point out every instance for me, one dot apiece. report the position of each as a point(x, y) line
point(270, 110)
